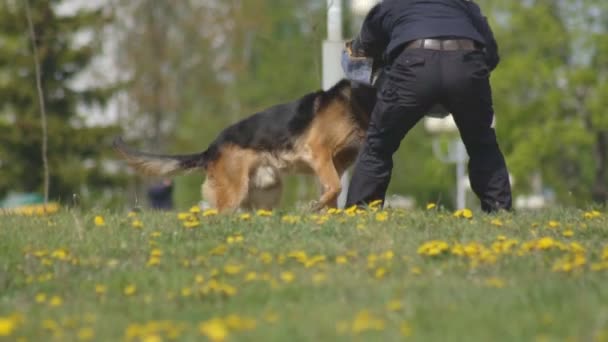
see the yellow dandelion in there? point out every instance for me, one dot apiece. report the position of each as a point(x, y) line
point(405, 329)
point(264, 213)
point(155, 234)
point(214, 329)
point(416, 270)
point(192, 224)
point(210, 212)
point(55, 301)
point(464, 213)
point(183, 216)
point(99, 221)
point(380, 273)
point(433, 248)
point(100, 289)
point(382, 216)
point(234, 322)
point(592, 214)
point(130, 290)
point(365, 321)
point(199, 279)
point(233, 269)
point(86, 334)
point(186, 292)
point(341, 260)
point(553, 224)
point(153, 261)
point(431, 206)
point(290, 219)
point(195, 209)
point(245, 216)
point(40, 298)
point(495, 282)
point(352, 211)
point(568, 233)
point(137, 224)
point(156, 252)
point(496, 222)
point(152, 338)
point(7, 326)
point(394, 305)
point(131, 214)
point(287, 277)
point(251, 276)
point(376, 204)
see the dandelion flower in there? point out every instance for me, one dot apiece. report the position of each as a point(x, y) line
point(210, 212)
point(99, 221)
point(130, 290)
point(431, 206)
point(394, 305)
point(100, 289)
point(464, 213)
point(55, 301)
point(214, 329)
point(40, 298)
point(287, 277)
point(85, 334)
point(264, 213)
point(405, 329)
point(7, 326)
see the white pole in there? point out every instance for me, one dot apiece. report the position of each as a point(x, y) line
point(461, 158)
point(334, 20)
point(332, 70)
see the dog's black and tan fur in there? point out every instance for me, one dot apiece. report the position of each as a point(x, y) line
point(320, 133)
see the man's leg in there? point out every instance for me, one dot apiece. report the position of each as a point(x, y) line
point(470, 101)
point(402, 101)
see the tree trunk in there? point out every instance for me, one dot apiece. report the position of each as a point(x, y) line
point(600, 188)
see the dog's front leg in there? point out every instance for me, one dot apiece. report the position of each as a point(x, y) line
point(330, 181)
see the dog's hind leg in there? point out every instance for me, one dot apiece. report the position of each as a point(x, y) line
point(227, 183)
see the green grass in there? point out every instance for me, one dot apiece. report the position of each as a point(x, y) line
point(515, 295)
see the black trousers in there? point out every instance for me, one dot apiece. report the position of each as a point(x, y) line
point(416, 80)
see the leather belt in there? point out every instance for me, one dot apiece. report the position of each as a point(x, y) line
point(442, 44)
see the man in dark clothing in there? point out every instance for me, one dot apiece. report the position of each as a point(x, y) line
point(434, 52)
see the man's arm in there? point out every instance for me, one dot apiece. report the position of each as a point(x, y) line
point(372, 40)
point(482, 25)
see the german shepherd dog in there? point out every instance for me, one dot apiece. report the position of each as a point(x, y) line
point(320, 133)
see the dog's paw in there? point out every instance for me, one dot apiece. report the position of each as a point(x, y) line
point(314, 206)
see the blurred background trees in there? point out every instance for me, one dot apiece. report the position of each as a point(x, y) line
point(75, 149)
point(179, 72)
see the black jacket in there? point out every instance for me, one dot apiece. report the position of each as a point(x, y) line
point(392, 23)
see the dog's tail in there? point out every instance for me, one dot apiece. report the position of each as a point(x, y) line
point(152, 164)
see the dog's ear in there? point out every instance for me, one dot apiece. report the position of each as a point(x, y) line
point(317, 103)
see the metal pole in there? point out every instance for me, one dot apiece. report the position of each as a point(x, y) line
point(461, 157)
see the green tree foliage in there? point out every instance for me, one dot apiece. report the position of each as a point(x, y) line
point(75, 151)
point(199, 66)
point(548, 94)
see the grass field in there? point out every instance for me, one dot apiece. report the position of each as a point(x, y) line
point(427, 275)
